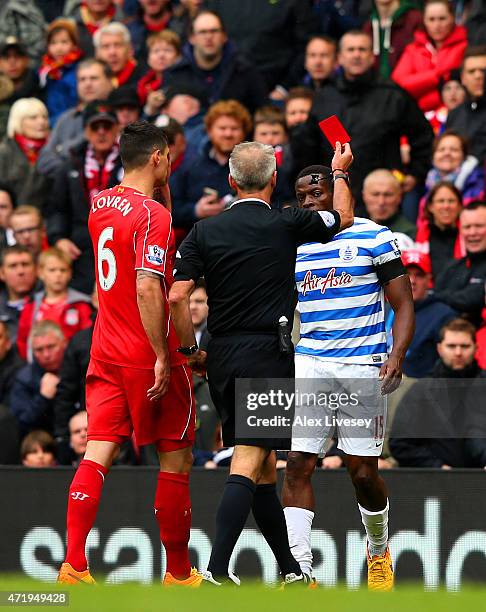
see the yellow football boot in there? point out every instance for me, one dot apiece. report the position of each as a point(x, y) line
point(193, 581)
point(380, 572)
point(68, 575)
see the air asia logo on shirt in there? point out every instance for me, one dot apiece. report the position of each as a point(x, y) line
point(155, 255)
point(312, 282)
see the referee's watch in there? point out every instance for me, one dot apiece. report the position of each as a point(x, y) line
point(188, 350)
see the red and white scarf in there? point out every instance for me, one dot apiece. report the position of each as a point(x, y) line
point(52, 69)
point(149, 82)
point(97, 177)
point(122, 77)
point(31, 147)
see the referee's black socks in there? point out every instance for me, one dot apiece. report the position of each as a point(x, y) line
point(270, 518)
point(234, 508)
point(241, 495)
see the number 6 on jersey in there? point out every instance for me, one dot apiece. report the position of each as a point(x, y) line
point(106, 255)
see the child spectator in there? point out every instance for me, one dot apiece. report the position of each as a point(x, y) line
point(298, 106)
point(164, 50)
point(38, 450)
point(57, 73)
point(270, 129)
point(69, 308)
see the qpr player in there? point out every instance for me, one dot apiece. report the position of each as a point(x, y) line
point(137, 380)
point(341, 289)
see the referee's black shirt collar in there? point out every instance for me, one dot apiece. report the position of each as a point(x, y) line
point(251, 200)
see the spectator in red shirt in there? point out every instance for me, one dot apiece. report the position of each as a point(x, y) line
point(432, 55)
point(69, 308)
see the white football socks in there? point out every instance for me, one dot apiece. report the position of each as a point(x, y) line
point(376, 526)
point(299, 527)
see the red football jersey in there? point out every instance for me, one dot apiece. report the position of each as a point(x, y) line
point(129, 232)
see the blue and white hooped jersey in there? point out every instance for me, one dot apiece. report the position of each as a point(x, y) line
point(341, 300)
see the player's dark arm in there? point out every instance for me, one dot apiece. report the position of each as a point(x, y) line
point(151, 307)
point(399, 295)
point(342, 201)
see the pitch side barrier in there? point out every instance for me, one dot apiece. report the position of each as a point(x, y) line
point(437, 527)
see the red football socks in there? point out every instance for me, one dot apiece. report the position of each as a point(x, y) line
point(173, 514)
point(83, 501)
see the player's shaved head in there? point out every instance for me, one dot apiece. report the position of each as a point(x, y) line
point(138, 142)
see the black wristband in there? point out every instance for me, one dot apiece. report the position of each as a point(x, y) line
point(188, 350)
point(338, 170)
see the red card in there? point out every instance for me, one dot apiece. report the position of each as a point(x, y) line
point(334, 131)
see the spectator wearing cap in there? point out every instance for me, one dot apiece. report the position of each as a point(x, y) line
point(90, 16)
point(213, 64)
point(187, 105)
point(20, 80)
point(382, 195)
point(27, 132)
point(124, 101)
point(93, 165)
point(461, 283)
point(58, 68)
point(93, 82)
point(164, 51)
point(153, 17)
point(438, 232)
point(273, 35)
point(203, 190)
point(430, 316)
point(113, 46)
point(23, 20)
point(469, 118)
point(34, 388)
point(435, 51)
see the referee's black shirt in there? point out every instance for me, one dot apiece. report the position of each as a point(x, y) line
point(247, 257)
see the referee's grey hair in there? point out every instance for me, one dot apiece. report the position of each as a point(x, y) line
point(252, 165)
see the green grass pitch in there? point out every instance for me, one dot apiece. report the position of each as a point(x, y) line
point(249, 598)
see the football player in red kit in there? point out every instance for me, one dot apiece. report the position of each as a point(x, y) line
point(138, 379)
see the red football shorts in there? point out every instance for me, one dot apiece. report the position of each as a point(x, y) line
point(117, 404)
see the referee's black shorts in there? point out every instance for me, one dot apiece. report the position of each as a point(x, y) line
point(244, 356)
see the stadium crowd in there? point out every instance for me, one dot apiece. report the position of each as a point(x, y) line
point(407, 79)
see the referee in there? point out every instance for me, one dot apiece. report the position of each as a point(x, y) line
point(247, 257)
